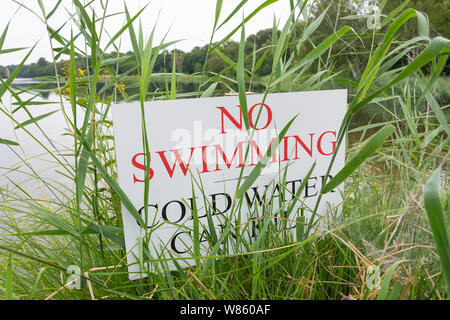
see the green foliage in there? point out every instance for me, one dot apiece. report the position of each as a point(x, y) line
point(379, 223)
point(437, 11)
point(438, 224)
point(366, 151)
point(338, 14)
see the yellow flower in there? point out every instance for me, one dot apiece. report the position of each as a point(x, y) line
point(66, 91)
point(81, 73)
point(121, 86)
point(65, 69)
point(377, 186)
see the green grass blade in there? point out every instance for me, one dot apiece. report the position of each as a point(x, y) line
point(8, 142)
point(209, 92)
point(113, 184)
point(133, 39)
point(256, 172)
point(225, 58)
point(300, 228)
point(3, 36)
point(251, 15)
point(314, 53)
point(11, 50)
point(423, 24)
point(84, 15)
point(435, 214)
point(53, 10)
point(41, 5)
point(38, 278)
point(125, 27)
point(215, 249)
point(52, 219)
point(300, 190)
point(82, 167)
point(9, 279)
point(231, 15)
point(276, 64)
point(370, 147)
point(439, 113)
point(393, 13)
point(73, 87)
point(173, 83)
point(6, 84)
point(442, 62)
point(92, 100)
point(437, 46)
point(282, 41)
point(313, 26)
point(219, 4)
point(196, 228)
point(382, 295)
point(240, 77)
point(35, 119)
point(395, 292)
point(373, 65)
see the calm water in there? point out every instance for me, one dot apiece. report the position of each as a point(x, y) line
point(16, 161)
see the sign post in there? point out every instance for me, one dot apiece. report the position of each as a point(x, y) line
point(202, 144)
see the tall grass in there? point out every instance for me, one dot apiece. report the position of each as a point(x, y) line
point(383, 225)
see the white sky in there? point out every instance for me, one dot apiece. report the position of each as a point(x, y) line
point(191, 20)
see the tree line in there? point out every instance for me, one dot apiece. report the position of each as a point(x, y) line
point(259, 47)
point(191, 62)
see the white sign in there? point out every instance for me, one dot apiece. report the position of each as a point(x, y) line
point(203, 142)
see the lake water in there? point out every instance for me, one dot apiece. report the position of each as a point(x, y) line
point(20, 165)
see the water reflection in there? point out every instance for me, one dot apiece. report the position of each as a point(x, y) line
point(23, 165)
point(47, 90)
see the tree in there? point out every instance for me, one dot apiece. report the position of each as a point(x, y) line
point(42, 62)
point(438, 12)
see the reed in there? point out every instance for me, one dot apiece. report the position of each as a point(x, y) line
point(383, 225)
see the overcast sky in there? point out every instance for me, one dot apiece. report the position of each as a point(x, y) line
point(191, 20)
